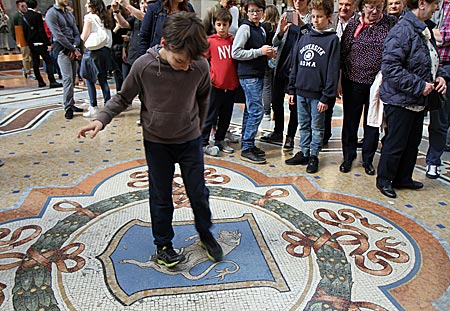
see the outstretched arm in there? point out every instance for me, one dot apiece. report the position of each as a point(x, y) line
point(95, 126)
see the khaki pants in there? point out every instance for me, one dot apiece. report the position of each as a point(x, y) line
point(26, 58)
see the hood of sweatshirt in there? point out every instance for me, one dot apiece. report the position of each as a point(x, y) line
point(322, 33)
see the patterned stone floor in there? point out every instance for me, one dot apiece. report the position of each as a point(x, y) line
point(75, 230)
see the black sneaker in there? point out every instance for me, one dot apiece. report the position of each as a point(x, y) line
point(289, 143)
point(313, 165)
point(258, 151)
point(76, 109)
point(42, 84)
point(213, 249)
point(273, 138)
point(69, 114)
point(298, 159)
point(55, 85)
point(249, 156)
point(168, 257)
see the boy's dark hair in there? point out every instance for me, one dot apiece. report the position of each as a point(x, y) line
point(32, 4)
point(19, 1)
point(326, 5)
point(223, 15)
point(259, 3)
point(184, 32)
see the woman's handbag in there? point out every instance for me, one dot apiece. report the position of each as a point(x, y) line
point(98, 39)
point(435, 100)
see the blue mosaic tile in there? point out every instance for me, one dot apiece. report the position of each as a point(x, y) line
point(409, 206)
point(272, 165)
point(113, 133)
point(12, 152)
point(440, 226)
point(108, 150)
point(63, 127)
point(105, 160)
point(51, 143)
point(65, 175)
point(36, 163)
point(442, 203)
point(138, 140)
point(29, 135)
point(15, 191)
point(21, 143)
point(44, 152)
point(317, 177)
point(138, 149)
point(58, 135)
point(76, 150)
point(71, 162)
point(110, 141)
point(26, 176)
point(357, 174)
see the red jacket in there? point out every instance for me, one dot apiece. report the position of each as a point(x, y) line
point(223, 67)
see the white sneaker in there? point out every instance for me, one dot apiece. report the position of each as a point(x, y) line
point(83, 105)
point(211, 150)
point(91, 113)
point(433, 171)
point(31, 76)
point(232, 138)
point(223, 146)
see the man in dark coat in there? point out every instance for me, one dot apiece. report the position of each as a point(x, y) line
point(34, 32)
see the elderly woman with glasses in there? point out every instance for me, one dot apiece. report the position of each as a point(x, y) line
point(361, 51)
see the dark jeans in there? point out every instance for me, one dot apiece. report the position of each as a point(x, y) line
point(278, 94)
point(355, 99)
point(437, 130)
point(400, 146)
point(220, 110)
point(37, 51)
point(102, 61)
point(161, 159)
point(328, 118)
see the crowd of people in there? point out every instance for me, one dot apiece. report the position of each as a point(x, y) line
point(386, 60)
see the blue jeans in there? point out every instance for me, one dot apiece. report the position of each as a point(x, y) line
point(312, 126)
point(437, 130)
point(253, 112)
point(102, 61)
point(161, 159)
point(68, 69)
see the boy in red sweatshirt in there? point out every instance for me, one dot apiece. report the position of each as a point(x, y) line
point(224, 82)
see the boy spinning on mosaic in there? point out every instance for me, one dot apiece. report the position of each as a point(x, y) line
point(172, 125)
point(314, 78)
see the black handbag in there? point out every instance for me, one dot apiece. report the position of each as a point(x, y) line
point(435, 101)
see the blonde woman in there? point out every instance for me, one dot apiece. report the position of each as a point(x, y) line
point(97, 17)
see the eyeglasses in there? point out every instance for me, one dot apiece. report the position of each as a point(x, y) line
point(258, 11)
point(371, 8)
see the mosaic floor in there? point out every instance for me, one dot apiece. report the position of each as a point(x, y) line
point(75, 230)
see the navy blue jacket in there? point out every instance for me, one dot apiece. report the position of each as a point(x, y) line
point(151, 29)
point(315, 66)
point(406, 63)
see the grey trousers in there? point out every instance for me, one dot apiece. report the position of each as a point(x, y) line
point(68, 69)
